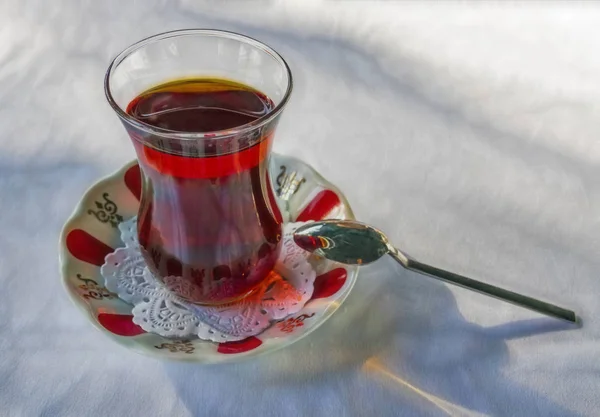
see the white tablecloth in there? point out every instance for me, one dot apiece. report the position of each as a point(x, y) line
point(470, 134)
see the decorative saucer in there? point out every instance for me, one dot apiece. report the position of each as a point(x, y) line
point(92, 232)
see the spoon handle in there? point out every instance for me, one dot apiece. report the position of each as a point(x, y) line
point(486, 289)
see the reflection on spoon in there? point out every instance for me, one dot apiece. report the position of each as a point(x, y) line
point(354, 243)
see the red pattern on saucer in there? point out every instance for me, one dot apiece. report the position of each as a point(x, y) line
point(320, 206)
point(329, 283)
point(240, 346)
point(133, 181)
point(120, 324)
point(87, 248)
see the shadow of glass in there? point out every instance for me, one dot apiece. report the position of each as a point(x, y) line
point(409, 327)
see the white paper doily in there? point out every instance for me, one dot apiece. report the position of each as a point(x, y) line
point(160, 311)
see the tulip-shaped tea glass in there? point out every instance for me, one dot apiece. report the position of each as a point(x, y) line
point(201, 107)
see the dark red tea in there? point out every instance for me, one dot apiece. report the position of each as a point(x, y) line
point(207, 213)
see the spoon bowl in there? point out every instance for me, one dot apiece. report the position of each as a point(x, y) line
point(347, 242)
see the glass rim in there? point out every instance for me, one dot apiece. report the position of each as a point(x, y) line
point(154, 130)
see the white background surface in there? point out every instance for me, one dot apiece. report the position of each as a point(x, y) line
point(470, 134)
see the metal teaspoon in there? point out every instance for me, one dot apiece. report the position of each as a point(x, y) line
point(353, 243)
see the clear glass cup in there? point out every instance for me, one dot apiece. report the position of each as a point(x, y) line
point(208, 223)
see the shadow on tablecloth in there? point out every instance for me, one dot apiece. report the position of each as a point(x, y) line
point(398, 346)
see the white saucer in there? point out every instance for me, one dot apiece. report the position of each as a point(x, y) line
point(91, 233)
